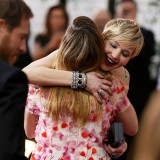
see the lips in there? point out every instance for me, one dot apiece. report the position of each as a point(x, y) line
point(109, 61)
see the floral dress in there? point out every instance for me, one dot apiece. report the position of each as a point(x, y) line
point(65, 140)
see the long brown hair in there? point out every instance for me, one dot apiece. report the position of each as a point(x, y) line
point(81, 50)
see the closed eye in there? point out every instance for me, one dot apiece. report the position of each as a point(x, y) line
point(113, 46)
point(126, 53)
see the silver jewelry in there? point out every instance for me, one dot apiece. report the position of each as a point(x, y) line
point(75, 27)
point(79, 80)
point(113, 156)
point(101, 91)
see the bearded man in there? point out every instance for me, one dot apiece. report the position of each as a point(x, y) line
point(14, 26)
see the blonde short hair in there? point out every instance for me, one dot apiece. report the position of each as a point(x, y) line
point(126, 32)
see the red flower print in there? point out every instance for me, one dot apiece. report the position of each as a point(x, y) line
point(31, 91)
point(88, 146)
point(39, 148)
point(91, 158)
point(94, 117)
point(118, 90)
point(32, 157)
point(107, 109)
point(64, 125)
point(122, 88)
point(84, 134)
point(90, 135)
point(104, 128)
point(44, 134)
point(94, 150)
point(55, 128)
point(82, 154)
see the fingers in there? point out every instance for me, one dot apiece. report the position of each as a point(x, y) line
point(116, 152)
point(98, 97)
point(106, 82)
point(99, 75)
point(107, 89)
point(96, 82)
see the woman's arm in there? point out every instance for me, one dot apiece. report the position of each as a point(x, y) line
point(40, 73)
point(30, 122)
point(129, 119)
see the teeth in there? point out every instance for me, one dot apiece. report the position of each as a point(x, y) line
point(110, 60)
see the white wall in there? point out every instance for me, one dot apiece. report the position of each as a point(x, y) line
point(85, 7)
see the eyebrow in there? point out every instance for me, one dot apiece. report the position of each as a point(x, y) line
point(123, 49)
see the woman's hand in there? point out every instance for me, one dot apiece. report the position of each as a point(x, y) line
point(98, 86)
point(116, 152)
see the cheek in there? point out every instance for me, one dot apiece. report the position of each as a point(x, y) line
point(106, 47)
point(14, 39)
point(124, 61)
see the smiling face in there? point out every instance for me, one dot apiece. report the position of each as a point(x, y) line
point(115, 55)
point(123, 41)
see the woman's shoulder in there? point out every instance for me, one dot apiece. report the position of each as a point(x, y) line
point(123, 76)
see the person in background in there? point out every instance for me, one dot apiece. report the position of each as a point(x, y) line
point(141, 84)
point(147, 142)
point(101, 18)
point(62, 119)
point(14, 25)
point(56, 23)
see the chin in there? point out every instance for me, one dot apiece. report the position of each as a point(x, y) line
point(105, 68)
point(13, 60)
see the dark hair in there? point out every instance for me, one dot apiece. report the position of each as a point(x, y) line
point(12, 12)
point(82, 45)
point(81, 50)
point(47, 23)
point(123, 1)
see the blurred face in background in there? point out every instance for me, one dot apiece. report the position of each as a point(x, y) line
point(126, 10)
point(101, 19)
point(13, 43)
point(57, 20)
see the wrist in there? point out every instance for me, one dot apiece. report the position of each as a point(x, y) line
point(79, 80)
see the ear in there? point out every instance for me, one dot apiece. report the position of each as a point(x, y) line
point(2, 24)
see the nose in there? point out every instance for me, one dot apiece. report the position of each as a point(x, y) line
point(23, 47)
point(116, 54)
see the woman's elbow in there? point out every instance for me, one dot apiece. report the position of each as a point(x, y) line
point(29, 134)
point(132, 130)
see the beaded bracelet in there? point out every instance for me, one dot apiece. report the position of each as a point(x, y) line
point(79, 80)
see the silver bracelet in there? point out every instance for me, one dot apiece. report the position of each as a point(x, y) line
point(79, 80)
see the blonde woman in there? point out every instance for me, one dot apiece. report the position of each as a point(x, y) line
point(120, 36)
point(81, 104)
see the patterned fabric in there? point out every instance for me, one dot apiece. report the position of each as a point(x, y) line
point(67, 141)
point(124, 77)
